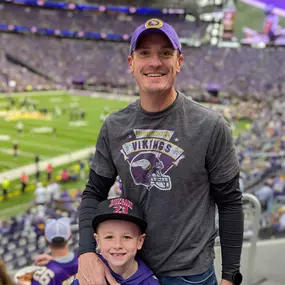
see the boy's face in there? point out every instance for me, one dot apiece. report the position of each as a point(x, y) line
point(119, 242)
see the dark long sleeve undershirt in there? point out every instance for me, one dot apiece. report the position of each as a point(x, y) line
point(226, 195)
point(228, 198)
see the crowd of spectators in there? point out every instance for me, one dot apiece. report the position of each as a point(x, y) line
point(89, 21)
point(21, 77)
point(244, 72)
point(22, 236)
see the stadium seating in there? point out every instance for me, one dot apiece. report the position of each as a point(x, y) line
point(244, 72)
point(86, 21)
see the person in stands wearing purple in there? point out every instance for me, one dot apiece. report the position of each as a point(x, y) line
point(63, 264)
point(176, 159)
point(119, 228)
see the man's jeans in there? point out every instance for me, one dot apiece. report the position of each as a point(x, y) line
point(206, 278)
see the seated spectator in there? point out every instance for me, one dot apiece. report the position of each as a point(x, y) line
point(40, 194)
point(265, 196)
point(74, 175)
point(116, 189)
point(279, 220)
point(53, 192)
point(62, 264)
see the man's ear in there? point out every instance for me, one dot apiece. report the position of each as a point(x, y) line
point(131, 63)
point(179, 62)
point(141, 241)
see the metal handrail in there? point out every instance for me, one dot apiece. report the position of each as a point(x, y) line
point(254, 236)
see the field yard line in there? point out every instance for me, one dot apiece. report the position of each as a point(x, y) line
point(14, 208)
point(20, 153)
point(31, 94)
point(45, 146)
point(55, 161)
point(9, 163)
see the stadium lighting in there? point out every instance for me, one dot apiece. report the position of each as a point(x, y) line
point(190, 18)
point(215, 32)
point(218, 2)
point(102, 8)
point(40, 2)
point(126, 37)
point(214, 41)
point(34, 29)
point(133, 9)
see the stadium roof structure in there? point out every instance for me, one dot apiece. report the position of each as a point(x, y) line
point(279, 5)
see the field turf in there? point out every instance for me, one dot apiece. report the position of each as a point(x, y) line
point(38, 137)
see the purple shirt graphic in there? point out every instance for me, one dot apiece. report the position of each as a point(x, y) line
point(56, 273)
point(143, 276)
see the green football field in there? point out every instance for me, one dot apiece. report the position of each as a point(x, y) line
point(38, 137)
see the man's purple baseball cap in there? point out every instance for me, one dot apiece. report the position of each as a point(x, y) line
point(156, 25)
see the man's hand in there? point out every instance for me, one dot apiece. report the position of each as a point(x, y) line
point(226, 282)
point(92, 271)
point(42, 259)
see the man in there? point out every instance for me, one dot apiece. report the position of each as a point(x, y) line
point(5, 187)
point(24, 180)
point(63, 264)
point(176, 159)
point(53, 192)
point(40, 194)
point(49, 170)
point(15, 148)
point(271, 22)
point(20, 128)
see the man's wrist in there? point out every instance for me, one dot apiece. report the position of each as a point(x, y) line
point(235, 278)
point(226, 282)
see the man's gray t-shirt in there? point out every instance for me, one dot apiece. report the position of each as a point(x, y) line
point(166, 161)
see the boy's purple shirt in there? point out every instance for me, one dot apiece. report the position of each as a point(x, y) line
point(143, 276)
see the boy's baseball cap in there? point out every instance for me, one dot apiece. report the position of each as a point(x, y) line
point(156, 25)
point(119, 209)
point(57, 229)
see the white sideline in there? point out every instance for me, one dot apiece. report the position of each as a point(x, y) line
point(55, 161)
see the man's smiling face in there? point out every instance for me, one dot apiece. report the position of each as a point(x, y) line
point(155, 64)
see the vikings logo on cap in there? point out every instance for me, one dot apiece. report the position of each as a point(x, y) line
point(154, 23)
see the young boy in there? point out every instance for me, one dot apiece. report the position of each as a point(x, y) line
point(119, 227)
